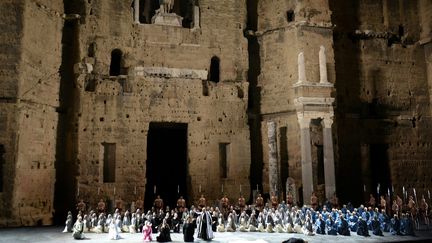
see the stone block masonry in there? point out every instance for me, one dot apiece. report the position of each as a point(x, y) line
point(95, 98)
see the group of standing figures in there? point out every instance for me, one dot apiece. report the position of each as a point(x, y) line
point(154, 221)
point(268, 217)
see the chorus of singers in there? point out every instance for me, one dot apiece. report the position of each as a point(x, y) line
point(272, 216)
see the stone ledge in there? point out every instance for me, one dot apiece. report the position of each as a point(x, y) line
point(314, 101)
point(171, 72)
point(312, 84)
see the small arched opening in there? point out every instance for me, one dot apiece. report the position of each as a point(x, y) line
point(116, 62)
point(290, 15)
point(214, 73)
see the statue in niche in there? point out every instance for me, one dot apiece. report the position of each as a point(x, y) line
point(166, 6)
point(165, 16)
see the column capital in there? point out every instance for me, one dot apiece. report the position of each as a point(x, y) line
point(327, 122)
point(303, 121)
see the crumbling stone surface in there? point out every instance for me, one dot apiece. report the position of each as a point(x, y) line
point(30, 83)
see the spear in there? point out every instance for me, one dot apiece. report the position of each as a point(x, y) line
point(415, 195)
point(378, 189)
point(429, 194)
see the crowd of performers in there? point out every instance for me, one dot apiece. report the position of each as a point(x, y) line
point(284, 217)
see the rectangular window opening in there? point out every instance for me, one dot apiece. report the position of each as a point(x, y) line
point(223, 159)
point(109, 162)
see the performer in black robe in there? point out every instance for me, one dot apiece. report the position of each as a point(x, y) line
point(204, 220)
point(362, 228)
point(175, 223)
point(343, 228)
point(188, 230)
point(376, 226)
point(164, 234)
point(214, 221)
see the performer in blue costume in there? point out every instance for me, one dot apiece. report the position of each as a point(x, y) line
point(395, 225)
point(320, 225)
point(331, 226)
point(384, 221)
point(408, 224)
point(353, 219)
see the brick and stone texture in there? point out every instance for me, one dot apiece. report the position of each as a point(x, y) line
point(383, 95)
point(163, 79)
point(31, 56)
point(59, 103)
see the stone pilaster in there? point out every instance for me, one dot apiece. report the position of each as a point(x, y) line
point(273, 158)
point(306, 157)
point(301, 68)
point(196, 18)
point(323, 65)
point(136, 11)
point(329, 168)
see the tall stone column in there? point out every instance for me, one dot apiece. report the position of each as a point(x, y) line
point(273, 159)
point(329, 168)
point(136, 11)
point(306, 158)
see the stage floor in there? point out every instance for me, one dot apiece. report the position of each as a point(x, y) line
point(54, 234)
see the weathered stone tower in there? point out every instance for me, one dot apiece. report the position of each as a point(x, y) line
point(117, 100)
point(296, 93)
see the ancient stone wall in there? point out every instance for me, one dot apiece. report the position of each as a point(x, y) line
point(383, 99)
point(11, 24)
point(30, 100)
point(285, 30)
point(164, 73)
point(78, 74)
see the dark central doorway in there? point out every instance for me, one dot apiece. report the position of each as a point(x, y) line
point(380, 170)
point(166, 163)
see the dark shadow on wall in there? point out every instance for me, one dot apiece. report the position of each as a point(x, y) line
point(256, 167)
point(65, 164)
point(347, 114)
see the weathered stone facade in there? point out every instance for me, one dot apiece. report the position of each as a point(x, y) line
point(340, 90)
